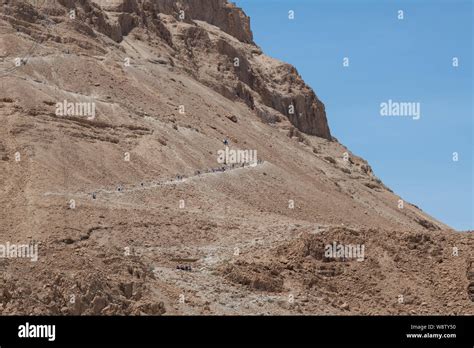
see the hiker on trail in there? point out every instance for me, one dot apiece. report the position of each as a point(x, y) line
point(226, 142)
point(184, 267)
point(141, 184)
point(93, 195)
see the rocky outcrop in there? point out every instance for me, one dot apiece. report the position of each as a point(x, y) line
point(220, 13)
point(221, 55)
point(470, 278)
point(259, 84)
point(276, 85)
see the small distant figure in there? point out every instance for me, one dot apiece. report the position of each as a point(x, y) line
point(94, 196)
point(226, 142)
point(141, 184)
point(184, 267)
point(119, 189)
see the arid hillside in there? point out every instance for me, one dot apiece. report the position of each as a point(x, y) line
point(114, 115)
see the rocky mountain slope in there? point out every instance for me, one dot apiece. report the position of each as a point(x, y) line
point(133, 213)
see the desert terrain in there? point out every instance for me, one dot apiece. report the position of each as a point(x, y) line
point(130, 208)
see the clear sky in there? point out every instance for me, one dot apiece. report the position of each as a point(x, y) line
point(409, 60)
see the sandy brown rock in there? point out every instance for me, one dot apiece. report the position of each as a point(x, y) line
point(157, 226)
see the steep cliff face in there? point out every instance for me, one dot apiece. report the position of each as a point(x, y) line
point(220, 13)
point(271, 88)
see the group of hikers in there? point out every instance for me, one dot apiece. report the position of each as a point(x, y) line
point(180, 177)
point(184, 267)
point(223, 168)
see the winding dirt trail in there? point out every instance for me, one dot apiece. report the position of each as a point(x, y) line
point(154, 184)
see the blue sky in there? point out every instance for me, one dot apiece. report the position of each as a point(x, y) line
point(407, 60)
